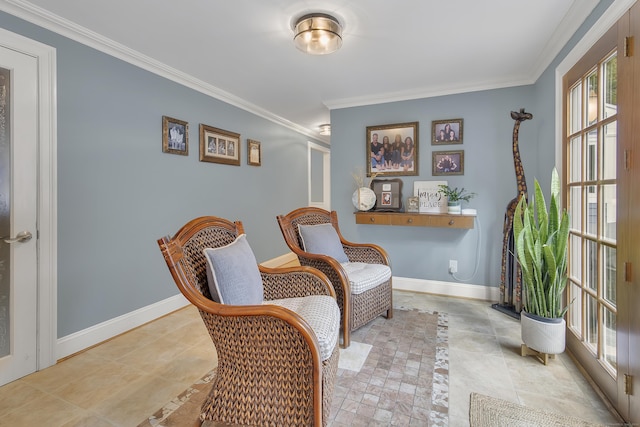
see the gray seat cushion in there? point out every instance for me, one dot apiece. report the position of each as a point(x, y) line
point(321, 312)
point(363, 276)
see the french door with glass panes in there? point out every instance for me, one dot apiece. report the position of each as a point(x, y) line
point(600, 109)
point(591, 183)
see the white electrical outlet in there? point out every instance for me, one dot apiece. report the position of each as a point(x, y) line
point(453, 266)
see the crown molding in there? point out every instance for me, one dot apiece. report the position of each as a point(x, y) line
point(45, 19)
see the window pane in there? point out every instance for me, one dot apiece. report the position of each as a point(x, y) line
point(609, 345)
point(575, 104)
point(592, 156)
point(610, 89)
point(575, 249)
point(608, 203)
point(575, 312)
point(609, 140)
point(591, 220)
point(575, 207)
point(591, 260)
point(591, 323)
point(575, 162)
point(609, 274)
point(592, 94)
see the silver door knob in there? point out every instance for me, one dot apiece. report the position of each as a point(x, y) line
point(23, 236)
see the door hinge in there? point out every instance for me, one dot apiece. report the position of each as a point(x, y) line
point(627, 156)
point(628, 277)
point(628, 384)
point(628, 46)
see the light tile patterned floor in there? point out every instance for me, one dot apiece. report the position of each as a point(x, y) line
point(121, 382)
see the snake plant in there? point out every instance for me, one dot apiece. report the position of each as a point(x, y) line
point(541, 239)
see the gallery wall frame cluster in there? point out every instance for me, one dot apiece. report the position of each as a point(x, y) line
point(392, 150)
point(216, 145)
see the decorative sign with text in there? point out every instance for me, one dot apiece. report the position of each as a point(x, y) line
point(430, 200)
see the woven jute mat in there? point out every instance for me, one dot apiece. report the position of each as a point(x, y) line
point(486, 411)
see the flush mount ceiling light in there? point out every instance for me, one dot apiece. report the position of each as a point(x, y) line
point(325, 129)
point(317, 34)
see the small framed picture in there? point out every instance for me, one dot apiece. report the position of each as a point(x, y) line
point(175, 136)
point(254, 153)
point(445, 132)
point(219, 146)
point(413, 204)
point(447, 162)
point(388, 194)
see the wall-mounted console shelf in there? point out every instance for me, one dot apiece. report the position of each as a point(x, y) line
point(415, 219)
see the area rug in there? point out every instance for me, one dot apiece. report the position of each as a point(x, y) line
point(397, 373)
point(486, 411)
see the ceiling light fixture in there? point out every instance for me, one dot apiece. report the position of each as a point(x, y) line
point(317, 34)
point(325, 129)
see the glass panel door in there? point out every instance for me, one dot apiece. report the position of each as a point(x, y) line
point(591, 200)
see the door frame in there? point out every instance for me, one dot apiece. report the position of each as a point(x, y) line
point(47, 193)
point(326, 175)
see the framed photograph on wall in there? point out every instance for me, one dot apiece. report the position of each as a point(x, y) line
point(445, 132)
point(392, 150)
point(388, 194)
point(219, 146)
point(175, 136)
point(254, 153)
point(447, 162)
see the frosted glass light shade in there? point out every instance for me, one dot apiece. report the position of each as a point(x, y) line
point(318, 34)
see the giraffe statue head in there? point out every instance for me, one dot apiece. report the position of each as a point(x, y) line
point(521, 115)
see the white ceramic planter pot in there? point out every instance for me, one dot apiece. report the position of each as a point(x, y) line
point(543, 334)
point(454, 208)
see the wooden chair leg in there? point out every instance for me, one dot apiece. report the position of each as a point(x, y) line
point(390, 313)
point(346, 336)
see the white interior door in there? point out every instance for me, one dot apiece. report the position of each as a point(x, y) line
point(18, 201)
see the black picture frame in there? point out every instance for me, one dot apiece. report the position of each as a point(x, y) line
point(388, 194)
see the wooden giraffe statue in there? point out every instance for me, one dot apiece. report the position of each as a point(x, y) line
point(510, 295)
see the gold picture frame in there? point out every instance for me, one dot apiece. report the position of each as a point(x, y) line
point(398, 160)
point(175, 136)
point(254, 152)
point(219, 146)
point(445, 132)
point(447, 162)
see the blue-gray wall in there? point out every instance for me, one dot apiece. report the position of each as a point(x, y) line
point(118, 192)
point(424, 253)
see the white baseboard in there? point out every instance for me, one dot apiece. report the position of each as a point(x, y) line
point(453, 289)
point(86, 338)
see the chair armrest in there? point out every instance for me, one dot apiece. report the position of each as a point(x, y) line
point(294, 282)
point(365, 252)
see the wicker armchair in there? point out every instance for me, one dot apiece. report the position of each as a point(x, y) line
point(357, 308)
point(270, 366)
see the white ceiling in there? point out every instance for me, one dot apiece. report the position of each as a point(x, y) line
point(243, 52)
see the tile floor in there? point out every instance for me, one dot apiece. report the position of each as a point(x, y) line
point(123, 381)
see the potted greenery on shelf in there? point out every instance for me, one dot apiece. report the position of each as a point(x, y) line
point(455, 197)
point(541, 240)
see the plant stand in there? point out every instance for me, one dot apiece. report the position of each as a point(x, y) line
point(542, 357)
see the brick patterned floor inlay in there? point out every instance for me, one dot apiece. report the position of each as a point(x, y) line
point(404, 380)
